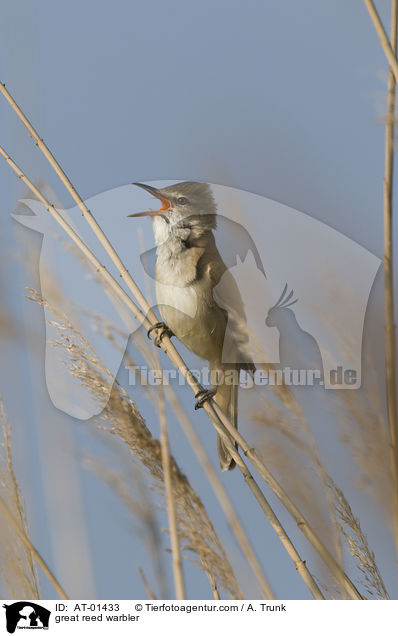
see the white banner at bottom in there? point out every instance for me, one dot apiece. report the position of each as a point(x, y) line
point(197, 617)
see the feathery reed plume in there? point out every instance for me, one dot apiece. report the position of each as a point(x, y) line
point(358, 546)
point(16, 561)
point(121, 417)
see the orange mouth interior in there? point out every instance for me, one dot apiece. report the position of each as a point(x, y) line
point(165, 207)
point(166, 204)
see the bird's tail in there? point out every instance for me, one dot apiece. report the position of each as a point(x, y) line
point(227, 399)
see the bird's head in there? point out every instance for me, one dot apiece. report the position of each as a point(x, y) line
point(185, 205)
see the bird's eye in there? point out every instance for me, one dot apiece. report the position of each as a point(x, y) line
point(182, 200)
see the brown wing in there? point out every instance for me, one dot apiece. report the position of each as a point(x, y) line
point(226, 295)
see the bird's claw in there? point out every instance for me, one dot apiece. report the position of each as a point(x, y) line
point(202, 396)
point(162, 330)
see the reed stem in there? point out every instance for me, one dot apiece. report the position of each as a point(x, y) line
point(222, 496)
point(378, 25)
point(390, 344)
point(171, 504)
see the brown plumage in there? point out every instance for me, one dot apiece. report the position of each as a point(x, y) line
point(198, 298)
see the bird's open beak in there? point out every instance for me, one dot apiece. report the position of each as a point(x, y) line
point(166, 203)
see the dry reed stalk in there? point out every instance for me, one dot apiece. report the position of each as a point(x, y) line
point(171, 505)
point(378, 25)
point(217, 417)
point(221, 494)
point(214, 589)
point(26, 574)
point(92, 259)
point(146, 585)
point(288, 503)
point(215, 414)
point(103, 239)
point(391, 375)
point(301, 566)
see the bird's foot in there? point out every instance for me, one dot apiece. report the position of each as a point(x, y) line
point(161, 331)
point(202, 396)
